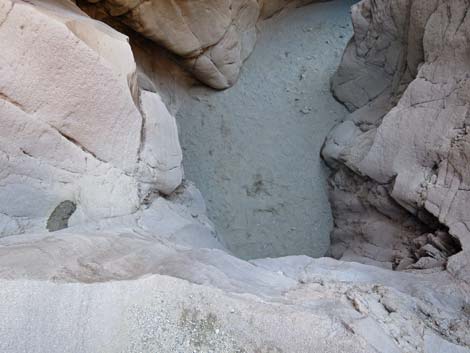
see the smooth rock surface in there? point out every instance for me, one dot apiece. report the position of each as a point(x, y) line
point(211, 38)
point(159, 314)
point(74, 125)
point(307, 305)
point(88, 142)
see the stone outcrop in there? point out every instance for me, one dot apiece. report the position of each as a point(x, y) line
point(212, 38)
point(294, 304)
point(75, 126)
point(103, 248)
point(401, 184)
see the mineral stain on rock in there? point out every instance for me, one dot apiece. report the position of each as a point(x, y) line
point(59, 218)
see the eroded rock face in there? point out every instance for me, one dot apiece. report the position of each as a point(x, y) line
point(212, 37)
point(86, 142)
point(401, 158)
point(75, 127)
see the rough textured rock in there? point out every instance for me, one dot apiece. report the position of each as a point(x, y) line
point(211, 37)
point(281, 305)
point(87, 142)
point(402, 157)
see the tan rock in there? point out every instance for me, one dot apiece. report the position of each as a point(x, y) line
point(71, 122)
point(212, 37)
point(405, 72)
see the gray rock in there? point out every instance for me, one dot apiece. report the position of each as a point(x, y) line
point(139, 267)
point(404, 74)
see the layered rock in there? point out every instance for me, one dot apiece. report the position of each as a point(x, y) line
point(401, 180)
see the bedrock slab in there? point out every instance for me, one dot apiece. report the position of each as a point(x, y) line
point(308, 305)
point(75, 126)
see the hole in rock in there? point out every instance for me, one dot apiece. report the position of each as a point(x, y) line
point(59, 218)
point(432, 249)
point(254, 150)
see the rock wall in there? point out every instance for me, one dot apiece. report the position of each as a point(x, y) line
point(75, 126)
point(211, 38)
point(401, 181)
point(87, 142)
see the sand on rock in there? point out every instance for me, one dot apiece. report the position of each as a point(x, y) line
point(254, 150)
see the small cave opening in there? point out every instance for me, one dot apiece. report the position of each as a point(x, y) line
point(433, 248)
point(254, 149)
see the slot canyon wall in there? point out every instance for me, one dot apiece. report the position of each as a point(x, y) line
point(105, 247)
point(400, 186)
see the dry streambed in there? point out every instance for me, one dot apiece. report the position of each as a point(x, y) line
point(254, 149)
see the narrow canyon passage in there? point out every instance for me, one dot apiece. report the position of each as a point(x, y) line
point(106, 244)
point(254, 149)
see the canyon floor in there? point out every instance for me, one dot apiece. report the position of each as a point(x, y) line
point(254, 150)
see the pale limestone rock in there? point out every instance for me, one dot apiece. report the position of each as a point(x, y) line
point(160, 314)
point(212, 38)
point(436, 344)
point(323, 304)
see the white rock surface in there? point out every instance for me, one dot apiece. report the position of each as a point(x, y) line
point(160, 314)
point(212, 38)
point(139, 272)
point(71, 125)
point(306, 305)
